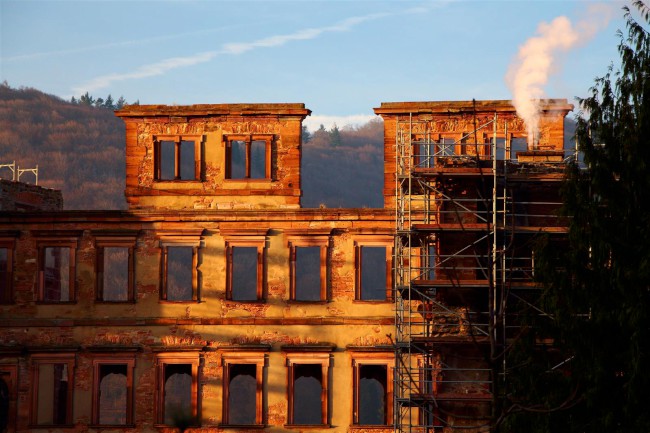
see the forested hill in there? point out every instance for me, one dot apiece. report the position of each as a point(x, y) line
point(79, 148)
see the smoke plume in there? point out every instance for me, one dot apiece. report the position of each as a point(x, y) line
point(537, 60)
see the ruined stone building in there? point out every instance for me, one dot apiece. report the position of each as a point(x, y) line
point(216, 301)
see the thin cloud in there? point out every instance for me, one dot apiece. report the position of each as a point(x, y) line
point(313, 122)
point(232, 48)
point(111, 45)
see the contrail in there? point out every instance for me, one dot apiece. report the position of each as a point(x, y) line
point(230, 48)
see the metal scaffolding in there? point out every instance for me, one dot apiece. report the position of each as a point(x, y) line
point(466, 211)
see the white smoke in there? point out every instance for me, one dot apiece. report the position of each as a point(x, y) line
point(537, 60)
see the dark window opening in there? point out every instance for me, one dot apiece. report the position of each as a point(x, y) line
point(52, 389)
point(372, 395)
point(113, 399)
point(56, 274)
point(248, 158)
point(4, 405)
point(308, 274)
point(116, 274)
point(519, 144)
point(177, 160)
point(258, 160)
point(188, 161)
point(244, 273)
point(5, 275)
point(177, 393)
point(237, 159)
point(242, 394)
point(167, 160)
point(373, 273)
point(179, 277)
point(307, 394)
point(429, 262)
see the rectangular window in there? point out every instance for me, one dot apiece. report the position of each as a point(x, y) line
point(245, 270)
point(179, 268)
point(373, 262)
point(373, 389)
point(113, 390)
point(57, 271)
point(177, 388)
point(308, 269)
point(248, 156)
point(178, 157)
point(8, 397)
point(308, 388)
point(242, 389)
point(52, 385)
point(114, 266)
point(6, 271)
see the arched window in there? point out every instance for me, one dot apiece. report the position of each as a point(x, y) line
point(307, 391)
point(177, 392)
point(242, 392)
point(113, 394)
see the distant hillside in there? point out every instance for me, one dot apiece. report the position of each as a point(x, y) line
point(80, 150)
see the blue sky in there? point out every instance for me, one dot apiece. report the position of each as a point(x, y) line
point(341, 58)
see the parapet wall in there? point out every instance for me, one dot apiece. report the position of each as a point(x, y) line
point(19, 196)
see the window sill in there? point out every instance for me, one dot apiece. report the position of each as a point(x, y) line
point(243, 426)
point(56, 302)
point(373, 301)
point(371, 427)
point(101, 301)
point(300, 301)
point(248, 301)
point(163, 182)
point(50, 426)
point(191, 301)
point(307, 426)
point(244, 180)
point(110, 426)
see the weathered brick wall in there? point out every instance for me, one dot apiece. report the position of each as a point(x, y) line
point(19, 196)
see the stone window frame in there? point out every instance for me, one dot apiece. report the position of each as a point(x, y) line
point(373, 357)
point(239, 356)
point(162, 360)
point(177, 139)
point(321, 240)
point(187, 238)
point(113, 359)
point(118, 239)
point(57, 239)
point(38, 359)
point(268, 139)
point(373, 241)
point(254, 238)
point(309, 355)
point(8, 242)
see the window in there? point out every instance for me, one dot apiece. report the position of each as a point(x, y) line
point(177, 388)
point(242, 389)
point(308, 268)
point(113, 390)
point(6, 270)
point(373, 264)
point(179, 279)
point(8, 397)
point(177, 157)
point(373, 389)
point(52, 385)
point(245, 258)
point(308, 388)
point(248, 156)
point(114, 266)
point(56, 265)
